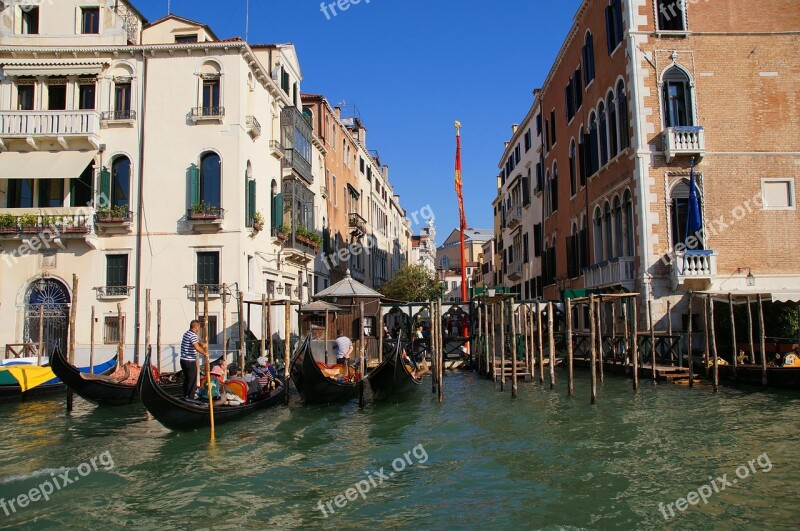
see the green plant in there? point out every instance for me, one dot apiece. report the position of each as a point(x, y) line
point(8, 221)
point(203, 208)
point(309, 235)
point(412, 283)
point(258, 219)
point(283, 229)
point(29, 220)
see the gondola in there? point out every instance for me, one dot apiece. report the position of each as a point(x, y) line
point(181, 414)
point(100, 389)
point(10, 389)
point(313, 385)
point(392, 379)
point(777, 377)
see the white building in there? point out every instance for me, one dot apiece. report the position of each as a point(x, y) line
point(137, 157)
point(423, 247)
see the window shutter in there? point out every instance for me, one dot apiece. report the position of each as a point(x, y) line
point(194, 185)
point(537, 239)
point(251, 200)
point(105, 187)
point(525, 250)
point(526, 192)
point(277, 211)
point(610, 33)
point(538, 176)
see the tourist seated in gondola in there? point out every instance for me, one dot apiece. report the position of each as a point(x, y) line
point(217, 388)
point(417, 370)
point(236, 384)
point(266, 374)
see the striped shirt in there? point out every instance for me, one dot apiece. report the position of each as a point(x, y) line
point(188, 352)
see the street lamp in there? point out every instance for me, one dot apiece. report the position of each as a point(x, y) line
point(41, 284)
point(279, 289)
point(751, 280)
point(442, 281)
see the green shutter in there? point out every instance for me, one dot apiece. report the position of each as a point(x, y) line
point(105, 187)
point(277, 211)
point(251, 201)
point(194, 185)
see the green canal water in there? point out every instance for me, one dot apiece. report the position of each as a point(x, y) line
point(480, 460)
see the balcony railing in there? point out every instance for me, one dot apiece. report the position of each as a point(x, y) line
point(514, 217)
point(113, 292)
point(55, 225)
point(323, 190)
point(113, 218)
point(687, 141)
point(49, 124)
point(205, 213)
point(207, 113)
point(195, 291)
point(276, 149)
point(617, 271)
point(515, 270)
point(357, 224)
point(696, 267)
point(300, 165)
point(253, 127)
point(118, 116)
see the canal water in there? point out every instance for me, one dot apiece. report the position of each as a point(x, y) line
point(480, 460)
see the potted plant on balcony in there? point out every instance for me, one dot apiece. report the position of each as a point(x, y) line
point(74, 225)
point(312, 239)
point(8, 224)
point(203, 210)
point(112, 214)
point(258, 222)
point(29, 223)
point(282, 233)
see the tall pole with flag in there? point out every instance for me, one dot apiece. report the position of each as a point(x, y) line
point(462, 225)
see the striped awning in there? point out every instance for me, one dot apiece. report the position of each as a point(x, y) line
point(44, 164)
point(52, 68)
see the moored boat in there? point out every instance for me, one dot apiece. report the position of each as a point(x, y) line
point(393, 378)
point(182, 414)
point(10, 388)
point(314, 385)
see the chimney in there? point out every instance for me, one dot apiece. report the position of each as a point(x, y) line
point(514, 128)
point(385, 172)
point(506, 143)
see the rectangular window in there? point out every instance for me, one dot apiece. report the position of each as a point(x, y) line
point(208, 269)
point(553, 126)
point(116, 274)
point(30, 19)
point(57, 95)
point(111, 329)
point(528, 140)
point(525, 251)
point(537, 240)
point(86, 97)
point(20, 193)
point(211, 97)
point(185, 39)
point(90, 20)
point(212, 329)
point(670, 15)
point(122, 97)
point(538, 125)
point(25, 97)
point(778, 194)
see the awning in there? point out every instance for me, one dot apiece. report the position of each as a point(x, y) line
point(355, 193)
point(44, 164)
point(65, 68)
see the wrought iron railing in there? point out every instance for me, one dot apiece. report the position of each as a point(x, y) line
point(35, 223)
point(113, 291)
point(205, 212)
point(126, 114)
point(208, 112)
point(253, 125)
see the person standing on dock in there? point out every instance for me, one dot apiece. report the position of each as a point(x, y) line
point(190, 347)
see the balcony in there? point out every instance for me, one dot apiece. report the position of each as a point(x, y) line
point(207, 114)
point(113, 219)
point(298, 164)
point(198, 291)
point(514, 217)
point(358, 225)
point(323, 190)
point(112, 118)
point(205, 218)
point(105, 293)
point(64, 127)
point(252, 127)
point(684, 141)
point(276, 149)
point(515, 270)
point(45, 227)
point(693, 269)
point(615, 272)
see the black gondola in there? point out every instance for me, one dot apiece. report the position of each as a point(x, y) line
point(392, 379)
point(778, 377)
point(100, 389)
point(313, 385)
point(181, 414)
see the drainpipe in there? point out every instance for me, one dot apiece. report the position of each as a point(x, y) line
point(139, 218)
point(641, 153)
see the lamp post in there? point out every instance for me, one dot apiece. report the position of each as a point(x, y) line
point(442, 281)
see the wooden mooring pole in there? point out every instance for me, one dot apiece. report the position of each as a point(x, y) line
point(514, 349)
point(73, 314)
point(262, 346)
point(551, 338)
point(91, 345)
point(689, 343)
point(652, 337)
point(532, 353)
point(287, 355)
point(707, 347)
point(734, 349)
point(269, 329)
point(713, 343)
point(750, 332)
point(540, 334)
point(627, 354)
point(225, 329)
point(635, 342)
point(503, 345)
point(242, 342)
point(763, 340)
point(570, 374)
point(593, 326)
point(148, 317)
point(158, 334)
point(441, 355)
point(600, 345)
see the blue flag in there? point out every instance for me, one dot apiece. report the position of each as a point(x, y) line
point(694, 222)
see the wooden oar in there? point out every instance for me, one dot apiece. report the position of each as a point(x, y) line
point(210, 396)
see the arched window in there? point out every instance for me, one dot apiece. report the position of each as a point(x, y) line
point(582, 170)
point(249, 196)
point(594, 142)
point(120, 182)
point(548, 205)
point(622, 109)
point(679, 213)
point(677, 96)
point(444, 262)
point(607, 232)
point(613, 131)
point(554, 187)
point(211, 89)
point(618, 235)
point(583, 244)
point(601, 111)
point(573, 177)
point(598, 235)
point(627, 207)
point(210, 180)
point(573, 253)
point(588, 58)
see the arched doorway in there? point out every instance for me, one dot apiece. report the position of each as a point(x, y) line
point(52, 296)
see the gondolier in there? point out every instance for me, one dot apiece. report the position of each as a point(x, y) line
point(344, 347)
point(190, 346)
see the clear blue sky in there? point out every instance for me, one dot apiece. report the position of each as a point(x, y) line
point(413, 67)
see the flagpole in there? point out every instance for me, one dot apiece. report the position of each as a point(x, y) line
point(462, 225)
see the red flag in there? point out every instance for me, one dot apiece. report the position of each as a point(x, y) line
point(459, 181)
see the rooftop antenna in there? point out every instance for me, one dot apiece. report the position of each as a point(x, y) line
point(247, 21)
point(169, 7)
